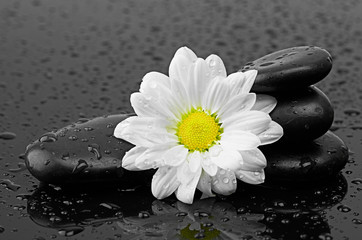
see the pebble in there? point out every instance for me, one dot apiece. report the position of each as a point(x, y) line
point(310, 161)
point(304, 115)
point(83, 152)
point(290, 69)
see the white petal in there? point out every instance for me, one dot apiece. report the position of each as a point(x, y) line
point(272, 134)
point(241, 82)
point(175, 156)
point(264, 103)
point(128, 161)
point(253, 160)
point(251, 177)
point(145, 132)
point(181, 97)
point(151, 158)
point(150, 106)
point(224, 182)
point(216, 65)
point(216, 95)
point(164, 182)
point(239, 140)
point(197, 81)
point(209, 167)
point(228, 159)
point(204, 184)
point(249, 80)
point(186, 52)
point(251, 121)
point(188, 182)
point(194, 161)
point(238, 103)
point(155, 83)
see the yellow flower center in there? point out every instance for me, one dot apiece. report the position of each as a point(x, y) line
point(198, 130)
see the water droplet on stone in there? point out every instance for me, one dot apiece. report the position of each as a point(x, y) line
point(226, 180)
point(48, 137)
point(81, 165)
point(95, 149)
point(143, 215)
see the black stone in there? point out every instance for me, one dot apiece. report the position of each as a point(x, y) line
point(84, 152)
point(304, 115)
point(305, 162)
point(291, 68)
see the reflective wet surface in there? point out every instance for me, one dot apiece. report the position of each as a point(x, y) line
point(62, 61)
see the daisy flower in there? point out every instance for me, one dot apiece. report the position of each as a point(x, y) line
point(199, 127)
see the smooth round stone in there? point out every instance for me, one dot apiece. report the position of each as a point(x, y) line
point(305, 162)
point(291, 68)
point(83, 152)
point(304, 115)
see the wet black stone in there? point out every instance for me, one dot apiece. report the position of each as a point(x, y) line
point(304, 115)
point(305, 162)
point(83, 152)
point(291, 68)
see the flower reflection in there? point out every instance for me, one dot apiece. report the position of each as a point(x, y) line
point(205, 219)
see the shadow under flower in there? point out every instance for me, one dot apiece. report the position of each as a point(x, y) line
point(253, 212)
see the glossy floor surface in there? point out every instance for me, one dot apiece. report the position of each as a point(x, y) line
point(65, 60)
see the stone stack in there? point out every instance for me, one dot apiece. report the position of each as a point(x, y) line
point(307, 151)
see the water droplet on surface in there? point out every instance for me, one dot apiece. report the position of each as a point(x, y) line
point(81, 165)
point(48, 137)
point(357, 221)
point(225, 180)
point(67, 232)
point(143, 215)
point(7, 135)
point(88, 129)
point(357, 181)
point(95, 149)
point(266, 64)
point(181, 214)
point(9, 185)
point(65, 156)
point(212, 63)
point(343, 208)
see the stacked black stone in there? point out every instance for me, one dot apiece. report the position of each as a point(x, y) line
point(307, 151)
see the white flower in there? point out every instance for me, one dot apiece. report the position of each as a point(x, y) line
point(199, 127)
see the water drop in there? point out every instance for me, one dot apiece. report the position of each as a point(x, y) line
point(225, 180)
point(222, 171)
point(212, 63)
point(81, 165)
point(356, 181)
point(73, 138)
point(95, 149)
point(224, 219)
point(343, 208)
point(65, 156)
point(88, 129)
point(71, 231)
point(357, 221)
point(7, 135)
point(266, 64)
point(181, 214)
point(143, 215)
point(46, 162)
point(9, 185)
point(48, 137)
